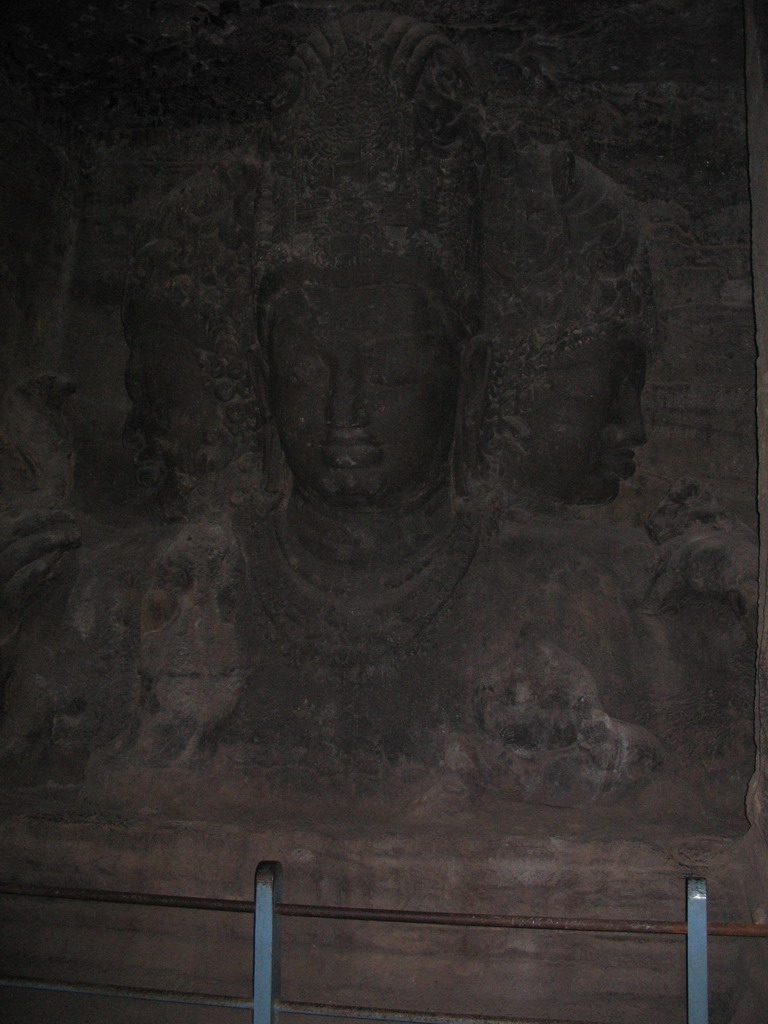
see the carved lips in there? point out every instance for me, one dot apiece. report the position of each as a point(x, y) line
point(351, 449)
point(618, 463)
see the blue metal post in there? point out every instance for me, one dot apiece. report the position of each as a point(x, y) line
point(266, 942)
point(696, 943)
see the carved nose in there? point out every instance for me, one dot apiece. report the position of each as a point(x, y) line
point(632, 429)
point(628, 426)
point(346, 405)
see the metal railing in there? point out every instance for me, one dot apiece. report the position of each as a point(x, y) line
point(266, 1003)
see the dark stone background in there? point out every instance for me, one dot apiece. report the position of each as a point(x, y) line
point(139, 95)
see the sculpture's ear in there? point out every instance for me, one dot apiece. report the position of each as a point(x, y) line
point(473, 389)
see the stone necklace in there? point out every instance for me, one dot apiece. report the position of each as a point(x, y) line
point(345, 616)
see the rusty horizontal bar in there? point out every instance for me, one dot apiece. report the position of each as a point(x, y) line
point(124, 992)
point(565, 924)
point(426, 917)
point(403, 1016)
point(142, 899)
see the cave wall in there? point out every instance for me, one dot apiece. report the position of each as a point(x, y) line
point(653, 96)
point(757, 108)
point(757, 86)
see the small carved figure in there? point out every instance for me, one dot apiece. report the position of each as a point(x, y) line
point(189, 655)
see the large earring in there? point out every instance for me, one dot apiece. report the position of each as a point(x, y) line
point(276, 473)
point(474, 371)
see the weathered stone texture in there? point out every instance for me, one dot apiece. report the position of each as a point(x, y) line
point(237, 641)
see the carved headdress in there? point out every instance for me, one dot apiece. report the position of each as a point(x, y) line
point(374, 152)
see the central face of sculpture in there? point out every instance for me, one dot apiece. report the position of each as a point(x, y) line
point(363, 382)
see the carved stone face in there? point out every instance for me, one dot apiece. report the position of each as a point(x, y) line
point(363, 386)
point(586, 421)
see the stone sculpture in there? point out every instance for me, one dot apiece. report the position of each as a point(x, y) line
point(371, 370)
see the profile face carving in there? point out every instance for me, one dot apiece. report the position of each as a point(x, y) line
point(616, 428)
point(587, 421)
point(363, 383)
